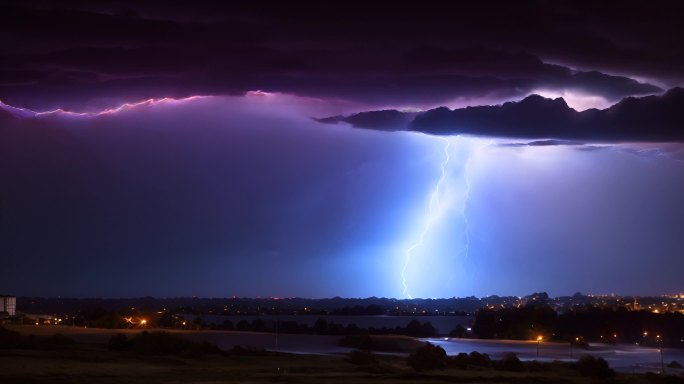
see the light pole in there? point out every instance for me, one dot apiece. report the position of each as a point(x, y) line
point(539, 340)
point(576, 341)
point(660, 347)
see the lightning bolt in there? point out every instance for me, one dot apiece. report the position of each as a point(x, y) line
point(28, 113)
point(466, 197)
point(432, 215)
point(436, 208)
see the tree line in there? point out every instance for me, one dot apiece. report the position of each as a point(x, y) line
point(580, 324)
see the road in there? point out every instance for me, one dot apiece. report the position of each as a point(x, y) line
point(621, 357)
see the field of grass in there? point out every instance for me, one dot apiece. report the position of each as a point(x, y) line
point(91, 361)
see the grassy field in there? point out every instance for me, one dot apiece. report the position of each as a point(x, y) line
point(90, 361)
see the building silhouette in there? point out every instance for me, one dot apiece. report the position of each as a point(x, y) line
point(8, 305)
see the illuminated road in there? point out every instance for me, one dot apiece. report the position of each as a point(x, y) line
point(621, 357)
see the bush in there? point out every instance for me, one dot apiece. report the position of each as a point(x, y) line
point(161, 343)
point(117, 342)
point(594, 367)
point(427, 357)
point(158, 343)
point(11, 339)
point(460, 361)
point(417, 329)
point(674, 364)
point(511, 362)
point(459, 331)
point(15, 340)
point(474, 359)
point(480, 359)
point(362, 358)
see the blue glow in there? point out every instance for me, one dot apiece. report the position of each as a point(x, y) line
point(468, 187)
point(448, 200)
point(435, 209)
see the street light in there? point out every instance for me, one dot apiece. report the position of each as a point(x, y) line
point(576, 341)
point(660, 347)
point(539, 340)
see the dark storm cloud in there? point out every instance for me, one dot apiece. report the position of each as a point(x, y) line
point(650, 118)
point(523, 70)
point(387, 120)
point(378, 54)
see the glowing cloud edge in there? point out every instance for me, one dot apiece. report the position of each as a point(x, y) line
point(28, 113)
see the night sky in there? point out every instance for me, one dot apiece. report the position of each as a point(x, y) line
point(341, 148)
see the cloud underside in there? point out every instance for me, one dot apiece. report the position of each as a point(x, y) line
point(651, 118)
point(373, 55)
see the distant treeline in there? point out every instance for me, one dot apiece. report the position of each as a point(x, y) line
point(414, 328)
point(257, 306)
point(333, 306)
point(580, 324)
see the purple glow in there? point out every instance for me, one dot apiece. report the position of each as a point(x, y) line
point(27, 113)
